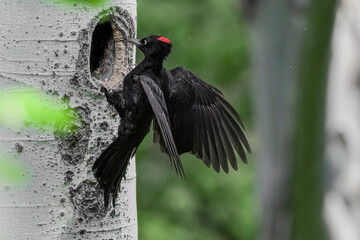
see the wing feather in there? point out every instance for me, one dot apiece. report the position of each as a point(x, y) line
point(235, 135)
point(230, 108)
point(207, 118)
point(216, 130)
point(219, 141)
point(225, 139)
point(157, 102)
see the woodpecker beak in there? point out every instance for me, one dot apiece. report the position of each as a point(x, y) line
point(135, 41)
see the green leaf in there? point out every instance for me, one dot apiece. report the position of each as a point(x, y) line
point(12, 171)
point(90, 3)
point(34, 108)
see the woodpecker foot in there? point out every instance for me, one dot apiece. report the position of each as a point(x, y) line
point(98, 83)
point(136, 77)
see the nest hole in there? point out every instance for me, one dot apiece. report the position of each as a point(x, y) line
point(102, 52)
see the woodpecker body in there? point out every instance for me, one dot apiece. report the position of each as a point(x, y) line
point(189, 116)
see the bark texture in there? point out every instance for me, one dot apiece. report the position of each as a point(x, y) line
point(47, 45)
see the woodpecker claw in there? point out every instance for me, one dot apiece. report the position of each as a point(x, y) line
point(136, 77)
point(100, 85)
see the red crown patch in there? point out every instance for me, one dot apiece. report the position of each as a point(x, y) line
point(164, 39)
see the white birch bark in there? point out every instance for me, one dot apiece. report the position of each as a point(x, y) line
point(342, 201)
point(47, 46)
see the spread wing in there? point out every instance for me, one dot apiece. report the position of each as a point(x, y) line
point(203, 122)
point(158, 105)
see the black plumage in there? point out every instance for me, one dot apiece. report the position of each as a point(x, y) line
point(188, 115)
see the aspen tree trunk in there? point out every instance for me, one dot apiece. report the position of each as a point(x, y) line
point(50, 46)
point(342, 202)
point(291, 40)
point(278, 34)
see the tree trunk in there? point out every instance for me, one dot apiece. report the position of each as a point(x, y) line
point(291, 41)
point(49, 45)
point(342, 202)
point(278, 34)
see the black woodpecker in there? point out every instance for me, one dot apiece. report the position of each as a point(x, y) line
point(188, 115)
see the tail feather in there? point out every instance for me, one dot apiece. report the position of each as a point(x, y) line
point(115, 186)
point(111, 167)
point(103, 159)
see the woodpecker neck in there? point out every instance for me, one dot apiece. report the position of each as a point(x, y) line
point(154, 62)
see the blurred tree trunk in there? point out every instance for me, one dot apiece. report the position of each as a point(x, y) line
point(290, 49)
point(276, 43)
point(342, 202)
point(307, 181)
point(47, 45)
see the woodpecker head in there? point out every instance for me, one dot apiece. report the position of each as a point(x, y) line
point(154, 46)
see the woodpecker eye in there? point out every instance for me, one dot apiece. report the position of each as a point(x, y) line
point(144, 42)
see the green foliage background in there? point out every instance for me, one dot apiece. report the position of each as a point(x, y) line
point(211, 38)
